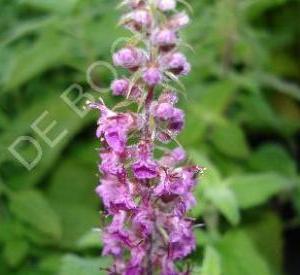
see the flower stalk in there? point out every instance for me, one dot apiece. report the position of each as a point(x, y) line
point(146, 194)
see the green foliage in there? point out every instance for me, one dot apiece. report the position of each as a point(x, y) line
point(254, 189)
point(32, 208)
point(243, 119)
point(239, 255)
point(82, 266)
point(211, 262)
point(230, 140)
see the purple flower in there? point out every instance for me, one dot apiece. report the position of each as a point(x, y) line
point(152, 76)
point(168, 97)
point(171, 184)
point(164, 38)
point(182, 240)
point(135, 265)
point(163, 111)
point(134, 3)
point(146, 195)
point(178, 154)
point(145, 169)
point(130, 58)
point(173, 158)
point(120, 86)
point(111, 163)
point(141, 17)
point(166, 5)
point(115, 195)
point(178, 21)
point(177, 121)
point(168, 267)
point(176, 63)
point(138, 20)
point(114, 129)
point(143, 221)
point(114, 234)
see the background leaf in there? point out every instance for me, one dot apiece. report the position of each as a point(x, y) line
point(239, 255)
point(230, 140)
point(75, 265)
point(32, 208)
point(211, 263)
point(256, 189)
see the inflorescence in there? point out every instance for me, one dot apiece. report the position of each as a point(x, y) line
point(146, 195)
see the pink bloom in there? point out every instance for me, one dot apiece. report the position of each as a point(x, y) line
point(178, 21)
point(173, 158)
point(182, 240)
point(130, 58)
point(114, 129)
point(176, 63)
point(145, 169)
point(177, 121)
point(166, 5)
point(146, 195)
point(115, 195)
point(152, 76)
point(144, 221)
point(164, 38)
point(163, 111)
point(141, 17)
point(134, 3)
point(111, 163)
point(120, 86)
point(168, 97)
point(170, 185)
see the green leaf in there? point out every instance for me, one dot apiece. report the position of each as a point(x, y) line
point(257, 112)
point(91, 239)
point(209, 178)
point(239, 255)
point(75, 265)
point(211, 175)
point(230, 140)
point(50, 264)
point(272, 157)
point(255, 189)
point(296, 196)
point(15, 251)
point(32, 208)
point(268, 242)
point(26, 27)
point(52, 5)
point(71, 193)
point(67, 120)
point(217, 96)
point(211, 262)
point(224, 199)
point(30, 62)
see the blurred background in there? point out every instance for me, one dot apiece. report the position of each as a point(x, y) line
point(243, 124)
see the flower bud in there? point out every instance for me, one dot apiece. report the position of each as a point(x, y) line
point(137, 20)
point(166, 5)
point(134, 3)
point(164, 111)
point(152, 76)
point(178, 21)
point(168, 96)
point(164, 38)
point(145, 169)
point(176, 123)
point(130, 58)
point(176, 63)
point(120, 86)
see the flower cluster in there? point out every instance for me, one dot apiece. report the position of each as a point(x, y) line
point(147, 195)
